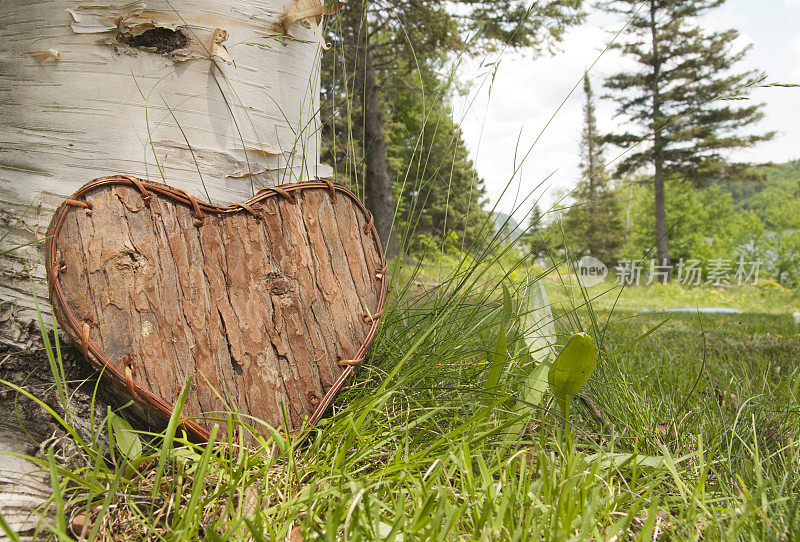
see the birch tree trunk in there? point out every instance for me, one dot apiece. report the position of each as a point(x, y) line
point(189, 92)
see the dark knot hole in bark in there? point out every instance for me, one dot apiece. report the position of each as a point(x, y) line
point(163, 40)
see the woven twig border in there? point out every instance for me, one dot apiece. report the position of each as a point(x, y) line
point(77, 329)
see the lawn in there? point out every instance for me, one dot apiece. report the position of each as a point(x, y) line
point(688, 429)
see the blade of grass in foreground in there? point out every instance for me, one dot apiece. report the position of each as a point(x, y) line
point(168, 439)
point(188, 513)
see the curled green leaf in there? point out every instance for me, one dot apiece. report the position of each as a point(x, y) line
point(572, 368)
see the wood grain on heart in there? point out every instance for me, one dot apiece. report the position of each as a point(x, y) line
point(266, 303)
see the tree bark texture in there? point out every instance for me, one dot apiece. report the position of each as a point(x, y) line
point(662, 243)
point(85, 91)
point(105, 107)
point(256, 304)
point(378, 183)
point(26, 428)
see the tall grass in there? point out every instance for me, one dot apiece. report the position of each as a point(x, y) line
point(687, 432)
point(411, 450)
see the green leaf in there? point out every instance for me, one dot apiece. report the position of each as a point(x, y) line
point(496, 367)
point(58, 497)
point(169, 436)
point(647, 529)
point(188, 457)
point(624, 460)
point(572, 368)
point(540, 336)
point(539, 333)
point(126, 438)
point(187, 516)
point(8, 531)
point(508, 310)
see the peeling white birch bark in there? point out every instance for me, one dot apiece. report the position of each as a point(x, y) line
point(102, 108)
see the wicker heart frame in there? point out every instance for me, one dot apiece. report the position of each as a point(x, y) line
point(268, 305)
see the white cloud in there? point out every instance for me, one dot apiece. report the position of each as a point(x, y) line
point(794, 46)
point(524, 107)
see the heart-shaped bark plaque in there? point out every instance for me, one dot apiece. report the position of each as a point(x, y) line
point(268, 305)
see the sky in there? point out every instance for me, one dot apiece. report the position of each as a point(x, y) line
point(513, 118)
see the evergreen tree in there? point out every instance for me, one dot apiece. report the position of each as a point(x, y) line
point(377, 41)
point(435, 188)
point(592, 224)
point(536, 234)
point(438, 189)
point(672, 98)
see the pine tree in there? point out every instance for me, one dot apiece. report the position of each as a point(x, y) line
point(592, 224)
point(536, 235)
point(376, 41)
point(440, 192)
point(436, 190)
point(673, 97)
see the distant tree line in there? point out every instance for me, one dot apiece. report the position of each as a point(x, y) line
point(674, 194)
